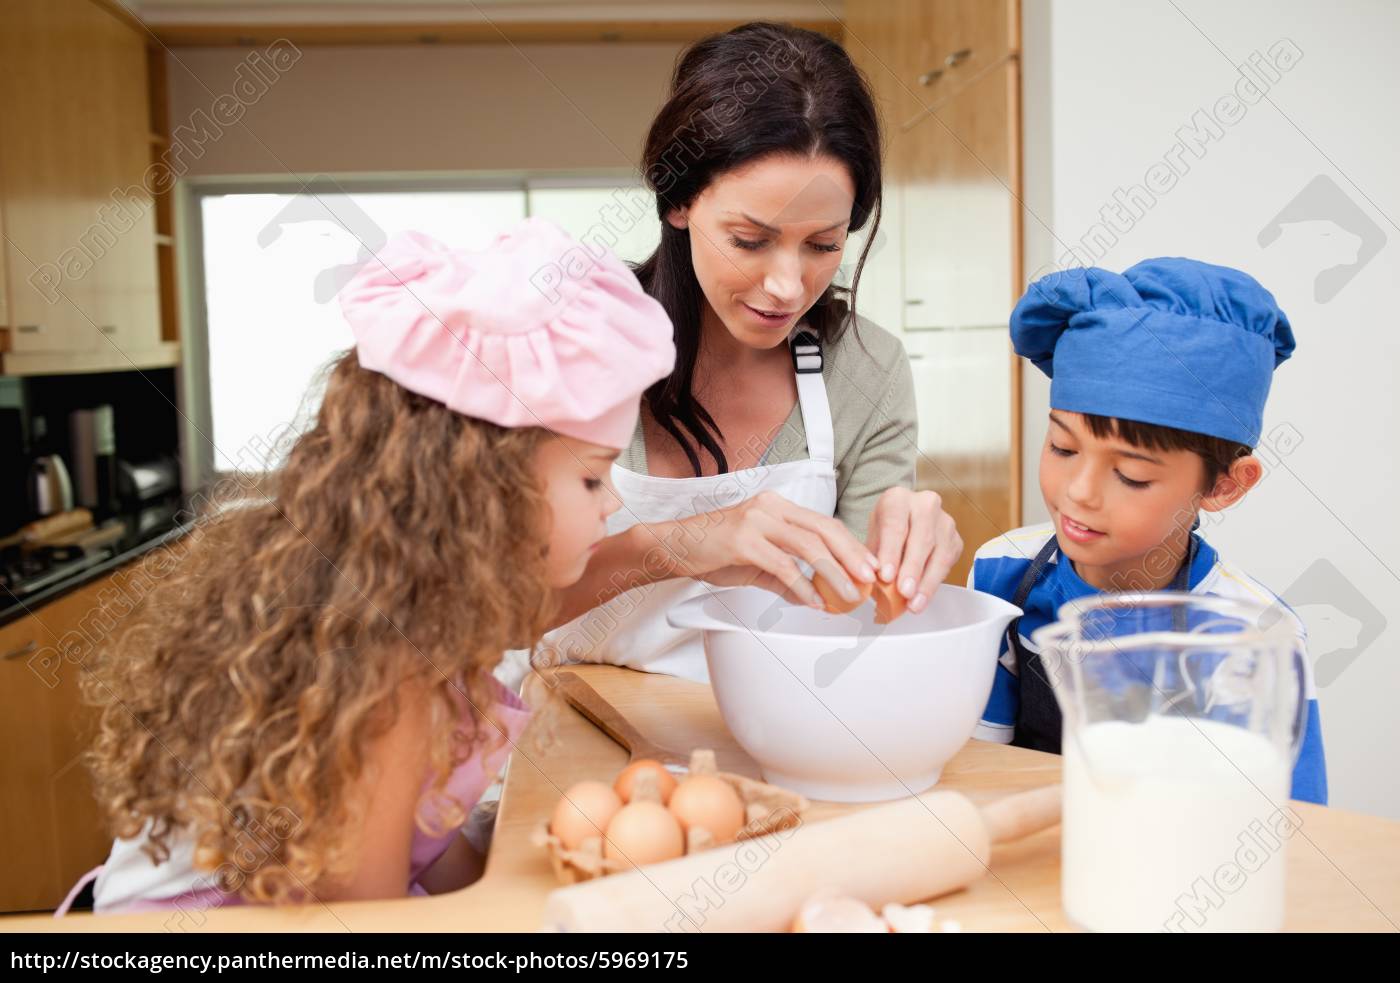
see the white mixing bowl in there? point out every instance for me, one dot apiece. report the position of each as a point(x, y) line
point(842, 709)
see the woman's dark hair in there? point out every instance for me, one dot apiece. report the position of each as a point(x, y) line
point(757, 90)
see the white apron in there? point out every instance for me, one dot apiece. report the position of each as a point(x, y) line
point(631, 629)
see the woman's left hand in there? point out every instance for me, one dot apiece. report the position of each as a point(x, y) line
point(916, 542)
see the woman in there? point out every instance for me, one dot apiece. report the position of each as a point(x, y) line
point(786, 433)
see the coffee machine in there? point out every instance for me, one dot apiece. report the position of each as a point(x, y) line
point(93, 447)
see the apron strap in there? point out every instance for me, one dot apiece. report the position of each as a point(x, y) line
point(1023, 590)
point(77, 889)
point(1037, 712)
point(811, 396)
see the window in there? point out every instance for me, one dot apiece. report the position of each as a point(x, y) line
point(273, 264)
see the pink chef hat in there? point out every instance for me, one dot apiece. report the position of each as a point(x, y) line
point(536, 330)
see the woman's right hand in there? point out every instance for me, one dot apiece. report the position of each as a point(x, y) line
point(759, 543)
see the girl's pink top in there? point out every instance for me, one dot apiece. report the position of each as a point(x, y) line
point(129, 882)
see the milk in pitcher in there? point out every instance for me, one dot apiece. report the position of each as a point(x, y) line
point(1164, 831)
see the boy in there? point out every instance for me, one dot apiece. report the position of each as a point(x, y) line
point(1158, 383)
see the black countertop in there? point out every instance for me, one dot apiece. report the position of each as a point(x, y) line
point(12, 608)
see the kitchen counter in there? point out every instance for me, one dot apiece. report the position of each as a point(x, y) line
point(1343, 873)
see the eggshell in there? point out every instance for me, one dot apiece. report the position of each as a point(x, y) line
point(643, 833)
point(831, 597)
point(711, 804)
point(827, 912)
point(889, 603)
point(585, 810)
point(665, 781)
point(917, 919)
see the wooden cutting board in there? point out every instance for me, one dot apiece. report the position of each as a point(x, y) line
point(605, 696)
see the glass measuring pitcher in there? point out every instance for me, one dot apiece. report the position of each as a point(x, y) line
point(1183, 715)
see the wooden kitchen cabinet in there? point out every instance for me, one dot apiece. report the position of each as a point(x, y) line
point(952, 44)
point(946, 78)
point(127, 277)
point(74, 132)
point(872, 39)
point(42, 169)
point(50, 824)
point(919, 52)
point(958, 210)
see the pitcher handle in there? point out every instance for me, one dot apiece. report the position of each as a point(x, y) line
point(1300, 716)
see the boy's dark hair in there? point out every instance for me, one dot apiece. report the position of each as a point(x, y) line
point(1216, 452)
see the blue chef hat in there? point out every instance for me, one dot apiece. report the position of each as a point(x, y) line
point(1174, 342)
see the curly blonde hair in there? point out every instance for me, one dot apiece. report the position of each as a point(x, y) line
point(240, 703)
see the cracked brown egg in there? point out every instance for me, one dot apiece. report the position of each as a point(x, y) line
point(832, 598)
point(889, 602)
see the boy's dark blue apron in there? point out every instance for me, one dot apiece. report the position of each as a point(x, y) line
point(1038, 723)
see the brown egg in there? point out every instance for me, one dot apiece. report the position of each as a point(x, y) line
point(643, 833)
point(584, 811)
point(831, 597)
point(710, 803)
point(665, 781)
point(889, 603)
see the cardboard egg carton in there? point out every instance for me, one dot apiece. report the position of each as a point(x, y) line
point(767, 809)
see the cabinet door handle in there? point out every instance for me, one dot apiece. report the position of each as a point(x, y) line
point(30, 328)
point(913, 302)
point(931, 76)
point(25, 649)
point(108, 329)
point(958, 57)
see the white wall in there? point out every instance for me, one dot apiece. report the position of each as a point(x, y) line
point(1108, 86)
point(428, 107)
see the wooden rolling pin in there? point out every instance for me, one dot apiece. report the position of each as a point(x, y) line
point(907, 851)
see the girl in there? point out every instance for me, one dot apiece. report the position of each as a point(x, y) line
point(786, 433)
point(307, 712)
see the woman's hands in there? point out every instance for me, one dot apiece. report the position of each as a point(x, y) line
point(913, 544)
point(760, 541)
point(915, 541)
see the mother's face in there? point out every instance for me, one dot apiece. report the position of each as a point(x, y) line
point(766, 240)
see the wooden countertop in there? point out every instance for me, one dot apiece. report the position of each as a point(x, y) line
point(1343, 873)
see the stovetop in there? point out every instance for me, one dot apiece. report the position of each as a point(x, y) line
point(23, 572)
